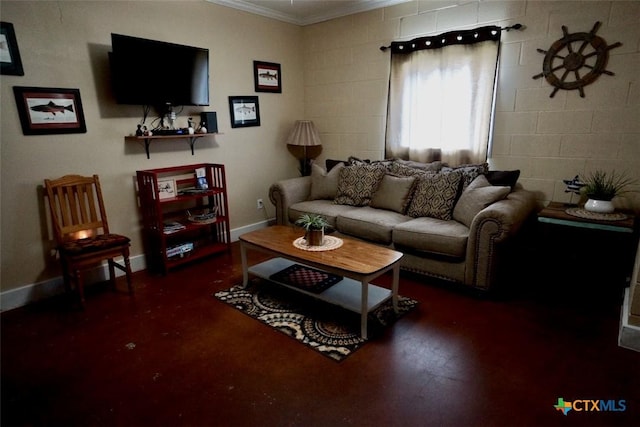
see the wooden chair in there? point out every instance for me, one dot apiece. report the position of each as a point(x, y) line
point(81, 230)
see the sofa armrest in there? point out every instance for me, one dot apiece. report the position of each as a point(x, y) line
point(492, 227)
point(287, 192)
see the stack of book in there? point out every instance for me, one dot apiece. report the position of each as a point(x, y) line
point(172, 227)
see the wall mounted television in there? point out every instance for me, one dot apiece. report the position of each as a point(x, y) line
point(158, 74)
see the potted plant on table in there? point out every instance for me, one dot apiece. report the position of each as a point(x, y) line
point(314, 228)
point(601, 187)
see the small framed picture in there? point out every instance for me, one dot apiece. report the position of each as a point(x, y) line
point(46, 111)
point(10, 62)
point(244, 110)
point(267, 77)
point(166, 188)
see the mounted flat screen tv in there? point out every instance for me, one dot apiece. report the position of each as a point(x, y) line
point(159, 74)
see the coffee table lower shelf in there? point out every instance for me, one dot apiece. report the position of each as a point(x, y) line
point(347, 293)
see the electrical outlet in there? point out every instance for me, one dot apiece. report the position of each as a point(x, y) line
point(260, 204)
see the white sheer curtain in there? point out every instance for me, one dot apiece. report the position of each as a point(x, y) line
point(441, 97)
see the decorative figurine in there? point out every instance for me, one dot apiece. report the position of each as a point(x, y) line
point(202, 128)
point(191, 129)
point(139, 131)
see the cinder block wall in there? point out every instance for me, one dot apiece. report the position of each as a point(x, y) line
point(548, 139)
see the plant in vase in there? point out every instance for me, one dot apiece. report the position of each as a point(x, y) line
point(601, 187)
point(314, 226)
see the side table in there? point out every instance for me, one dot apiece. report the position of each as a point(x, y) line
point(604, 250)
point(556, 213)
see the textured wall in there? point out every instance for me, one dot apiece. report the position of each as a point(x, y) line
point(548, 139)
point(64, 44)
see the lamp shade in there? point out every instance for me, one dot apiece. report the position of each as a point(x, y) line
point(304, 133)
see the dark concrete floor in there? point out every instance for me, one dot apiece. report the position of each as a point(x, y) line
point(173, 355)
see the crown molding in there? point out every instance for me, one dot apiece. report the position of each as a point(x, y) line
point(306, 20)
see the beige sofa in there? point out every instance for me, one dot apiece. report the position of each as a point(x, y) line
point(451, 223)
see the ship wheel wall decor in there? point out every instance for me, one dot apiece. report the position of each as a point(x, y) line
point(572, 53)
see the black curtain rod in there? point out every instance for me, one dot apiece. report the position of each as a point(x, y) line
point(512, 27)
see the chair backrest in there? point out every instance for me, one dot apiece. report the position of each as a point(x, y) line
point(76, 206)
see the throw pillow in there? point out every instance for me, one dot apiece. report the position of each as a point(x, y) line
point(434, 166)
point(331, 163)
point(469, 172)
point(324, 185)
point(477, 196)
point(394, 193)
point(435, 195)
point(509, 178)
point(358, 183)
point(400, 169)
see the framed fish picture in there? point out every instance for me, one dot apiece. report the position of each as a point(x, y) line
point(267, 77)
point(45, 111)
point(244, 111)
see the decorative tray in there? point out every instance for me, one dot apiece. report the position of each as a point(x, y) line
point(330, 243)
point(583, 213)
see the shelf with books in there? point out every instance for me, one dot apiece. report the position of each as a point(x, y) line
point(183, 207)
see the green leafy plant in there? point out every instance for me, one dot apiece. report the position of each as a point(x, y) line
point(312, 222)
point(601, 185)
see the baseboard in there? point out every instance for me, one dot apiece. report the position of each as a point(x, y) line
point(18, 297)
point(629, 335)
point(34, 292)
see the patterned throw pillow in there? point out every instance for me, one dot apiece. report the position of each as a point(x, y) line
point(469, 172)
point(435, 195)
point(324, 185)
point(358, 183)
point(434, 166)
point(400, 169)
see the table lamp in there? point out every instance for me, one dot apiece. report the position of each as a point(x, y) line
point(304, 134)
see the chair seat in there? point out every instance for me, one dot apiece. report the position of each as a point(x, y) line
point(94, 244)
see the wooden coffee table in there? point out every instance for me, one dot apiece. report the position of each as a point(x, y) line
point(358, 262)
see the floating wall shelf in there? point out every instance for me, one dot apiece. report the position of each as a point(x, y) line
point(147, 139)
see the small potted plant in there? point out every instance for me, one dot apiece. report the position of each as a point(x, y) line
point(314, 228)
point(601, 187)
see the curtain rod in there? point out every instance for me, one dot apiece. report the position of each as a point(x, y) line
point(512, 27)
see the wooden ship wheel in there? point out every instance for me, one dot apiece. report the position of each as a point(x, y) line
point(592, 53)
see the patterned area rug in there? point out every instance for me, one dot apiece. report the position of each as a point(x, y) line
point(328, 329)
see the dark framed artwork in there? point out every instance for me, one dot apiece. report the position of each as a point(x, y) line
point(10, 62)
point(267, 77)
point(45, 111)
point(244, 111)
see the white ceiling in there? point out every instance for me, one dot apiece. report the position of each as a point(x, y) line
point(305, 12)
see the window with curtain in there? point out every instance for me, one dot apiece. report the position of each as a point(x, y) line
point(441, 96)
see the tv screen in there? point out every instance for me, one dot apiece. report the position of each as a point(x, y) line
point(155, 73)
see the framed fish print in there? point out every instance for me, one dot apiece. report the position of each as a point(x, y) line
point(45, 111)
point(244, 110)
point(267, 77)
point(10, 62)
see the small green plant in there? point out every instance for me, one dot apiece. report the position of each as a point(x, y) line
point(601, 185)
point(312, 222)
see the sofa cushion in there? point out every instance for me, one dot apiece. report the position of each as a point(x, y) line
point(358, 183)
point(324, 185)
point(394, 193)
point(477, 196)
point(326, 208)
point(368, 223)
point(448, 238)
point(435, 195)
